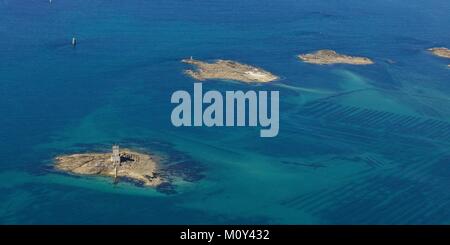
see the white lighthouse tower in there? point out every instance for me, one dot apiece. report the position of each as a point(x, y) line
point(115, 157)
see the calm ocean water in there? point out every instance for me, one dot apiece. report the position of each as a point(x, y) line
point(357, 145)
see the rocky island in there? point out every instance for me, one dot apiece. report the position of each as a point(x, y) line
point(228, 70)
point(328, 57)
point(441, 52)
point(126, 164)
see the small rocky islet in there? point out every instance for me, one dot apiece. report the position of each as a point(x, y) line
point(329, 57)
point(441, 52)
point(228, 70)
point(142, 169)
point(130, 164)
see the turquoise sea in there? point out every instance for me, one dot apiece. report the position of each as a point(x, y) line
point(357, 144)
